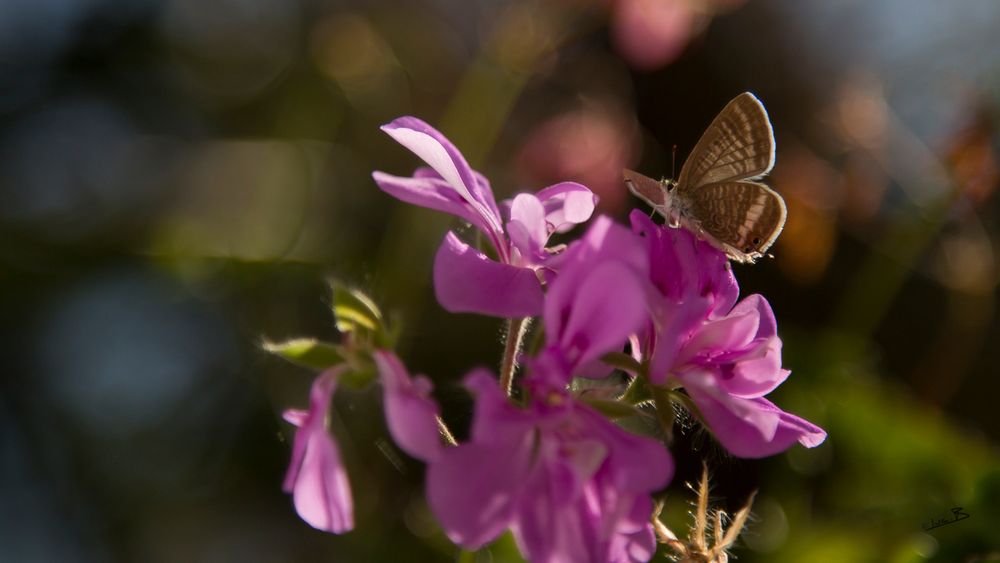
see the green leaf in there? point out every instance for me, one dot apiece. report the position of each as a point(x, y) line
point(354, 311)
point(612, 409)
point(306, 352)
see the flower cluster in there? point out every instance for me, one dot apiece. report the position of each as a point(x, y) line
point(547, 462)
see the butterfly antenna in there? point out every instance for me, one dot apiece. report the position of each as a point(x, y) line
point(673, 162)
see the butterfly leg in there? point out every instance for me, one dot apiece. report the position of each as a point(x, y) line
point(674, 219)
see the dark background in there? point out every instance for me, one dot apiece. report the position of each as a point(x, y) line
point(178, 177)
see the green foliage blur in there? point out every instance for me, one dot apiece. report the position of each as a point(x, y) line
point(178, 180)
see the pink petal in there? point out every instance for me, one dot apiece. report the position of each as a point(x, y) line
point(295, 417)
point(677, 322)
point(607, 240)
point(600, 311)
point(634, 540)
point(482, 184)
point(466, 281)
point(767, 326)
point(497, 419)
point(316, 476)
point(438, 152)
point(526, 227)
point(473, 497)
point(550, 524)
point(752, 428)
point(756, 372)
point(638, 464)
point(433, 193)
point(728, 333)
point(409, 411)
point(684, 268)
point(474, 489)
point(567, 204)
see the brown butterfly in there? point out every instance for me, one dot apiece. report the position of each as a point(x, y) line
point(714, 197)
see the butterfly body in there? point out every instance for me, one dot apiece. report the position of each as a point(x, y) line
point(715, 195)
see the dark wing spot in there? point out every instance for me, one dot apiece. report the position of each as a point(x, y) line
point(747, 249)
point(756, 241)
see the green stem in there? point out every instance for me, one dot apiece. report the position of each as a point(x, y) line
point(637, 392)
point(515, 335)
point(623, 362)
point(664, 411)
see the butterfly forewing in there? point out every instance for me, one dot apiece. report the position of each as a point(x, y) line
point(738, 145)
point(645, 188)
point(746, 217)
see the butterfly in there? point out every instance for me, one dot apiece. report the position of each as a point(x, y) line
point(715, 197)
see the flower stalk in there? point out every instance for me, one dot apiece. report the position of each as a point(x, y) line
point(516, 329)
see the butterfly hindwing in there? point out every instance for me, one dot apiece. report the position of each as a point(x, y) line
point(745, 217)
point(738, 145)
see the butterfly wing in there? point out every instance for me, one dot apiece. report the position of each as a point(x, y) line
point(738, 145)
point(645, 188)
point(743, 218)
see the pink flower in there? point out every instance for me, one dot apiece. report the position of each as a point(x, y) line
point(410, 412)
point(598, 300)
point(316, 476)
point(465, 279)
point(726, 355)
point(571, 485)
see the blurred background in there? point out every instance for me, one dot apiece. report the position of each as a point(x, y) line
point(178, 177)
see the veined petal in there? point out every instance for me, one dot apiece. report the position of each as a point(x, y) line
point(732, 332)
point(437, 151)
point(756, 372)
point(410, 412)
point(752, 428)
point(316, 476)
point(433, 193)
point(482, 184)
point(466, 281)
point(752, 370)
